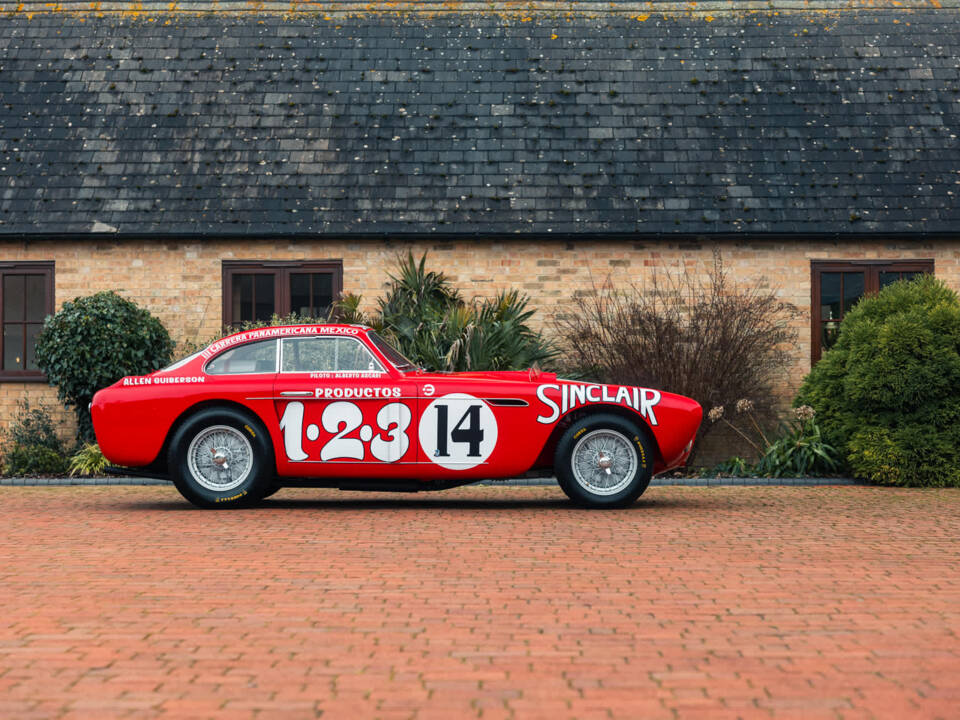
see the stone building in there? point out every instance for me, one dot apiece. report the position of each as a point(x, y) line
point(218, 161)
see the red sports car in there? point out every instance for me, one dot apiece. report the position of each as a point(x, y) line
point(337, 406)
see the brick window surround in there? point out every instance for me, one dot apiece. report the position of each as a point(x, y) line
point(836, 286)
point(26, 298)
point(257, 289)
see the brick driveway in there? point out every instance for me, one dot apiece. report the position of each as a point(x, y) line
point(481, 602)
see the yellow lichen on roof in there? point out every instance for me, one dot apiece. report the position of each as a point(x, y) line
point(707, 9)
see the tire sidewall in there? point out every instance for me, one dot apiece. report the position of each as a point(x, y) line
point(604, 421)
point(258, 480)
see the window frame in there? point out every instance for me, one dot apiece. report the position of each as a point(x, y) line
point(26, 267)
point(871, 270)
point(281, 271)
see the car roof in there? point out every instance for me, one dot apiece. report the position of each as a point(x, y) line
point(282, 331)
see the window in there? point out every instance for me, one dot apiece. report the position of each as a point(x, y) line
point(327, 354)
point(258, 357)
point(26, 298)
point(837, 286)
point(256, 290)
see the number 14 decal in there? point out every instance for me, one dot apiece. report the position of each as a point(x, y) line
point(341, 419)
point(457, 431)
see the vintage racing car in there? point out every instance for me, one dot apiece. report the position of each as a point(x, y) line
point(337, 406)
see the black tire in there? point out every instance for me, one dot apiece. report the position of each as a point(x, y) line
point(610, 439)
point(232, 436)
point(272, 490)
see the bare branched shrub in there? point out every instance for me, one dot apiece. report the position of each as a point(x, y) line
point(715, 341)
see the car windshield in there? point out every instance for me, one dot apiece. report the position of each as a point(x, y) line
point(393, 355)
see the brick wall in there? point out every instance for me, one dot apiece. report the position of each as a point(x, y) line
point(180, 281)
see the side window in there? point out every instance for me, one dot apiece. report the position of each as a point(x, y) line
point(837, 285)
point(26, 298)
point(327, 354)
point(354, 357)
point(259, 357)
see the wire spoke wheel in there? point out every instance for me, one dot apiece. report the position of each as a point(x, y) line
point(220, 458)
point(604, 462)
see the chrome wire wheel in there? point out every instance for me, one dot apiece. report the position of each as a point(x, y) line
point(220, 458)
point(604, 462)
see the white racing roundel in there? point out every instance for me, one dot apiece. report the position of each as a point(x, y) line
point(458, 431)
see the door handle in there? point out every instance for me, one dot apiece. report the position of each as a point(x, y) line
point(297, 393)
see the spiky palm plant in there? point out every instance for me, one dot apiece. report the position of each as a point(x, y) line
point(431, 323)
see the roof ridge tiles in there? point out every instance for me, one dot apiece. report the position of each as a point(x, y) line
point(507, 8)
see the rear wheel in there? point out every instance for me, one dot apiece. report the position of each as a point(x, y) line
point(604, 460)
point(221, 457)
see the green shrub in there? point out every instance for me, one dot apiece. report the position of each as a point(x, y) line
point(736, 466)
point(93, 342)
point(799, 450)
point(31, 445)
point(888, 393)
point(33, 460)
point(430, 323)
point(88, 460)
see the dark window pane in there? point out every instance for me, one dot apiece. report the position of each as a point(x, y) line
point(322, 293)
point(13, 347)
point(263, 296)
point(36, 298)
point(909, 275)
point(852, 289)
point(830, 296)
point(241, 299)
point(300, 294)
point(311, 294)
point(33, 329)
point(13, 297)
point(829, 334)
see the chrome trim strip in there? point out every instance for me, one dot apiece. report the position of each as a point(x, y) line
point(297, 393)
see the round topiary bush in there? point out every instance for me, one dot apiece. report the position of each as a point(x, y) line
point(888, 393)
point(93, 342)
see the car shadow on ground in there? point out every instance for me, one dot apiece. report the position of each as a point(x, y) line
point(402, 501)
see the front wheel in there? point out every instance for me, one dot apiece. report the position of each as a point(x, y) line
point(604, 460)
point(221, 458)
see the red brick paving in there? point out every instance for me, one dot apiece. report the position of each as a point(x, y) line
point(481, 602)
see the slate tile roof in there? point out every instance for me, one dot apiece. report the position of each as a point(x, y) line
point(468, 122)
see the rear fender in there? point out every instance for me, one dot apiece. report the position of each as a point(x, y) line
point(161, 459)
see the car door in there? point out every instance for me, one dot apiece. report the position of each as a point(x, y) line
point(342, 412)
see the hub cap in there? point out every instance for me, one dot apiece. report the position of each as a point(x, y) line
point(604, 462)
point(220, 458)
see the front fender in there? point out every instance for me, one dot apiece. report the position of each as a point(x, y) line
point(673, 420)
